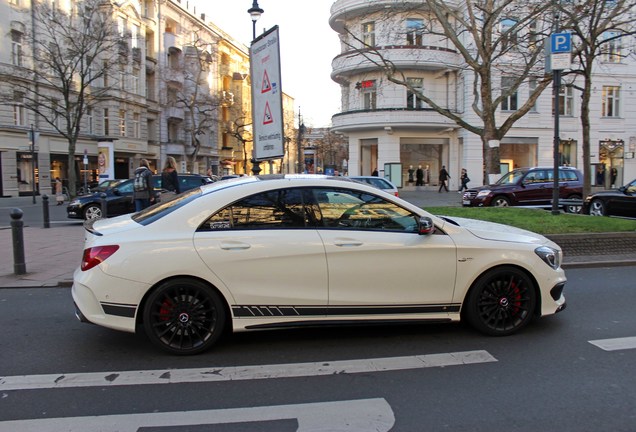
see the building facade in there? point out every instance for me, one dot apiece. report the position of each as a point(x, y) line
point(387, 124)
point(180, 89)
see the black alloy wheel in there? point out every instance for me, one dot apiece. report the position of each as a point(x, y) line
point(501, 301)
point(184, 316)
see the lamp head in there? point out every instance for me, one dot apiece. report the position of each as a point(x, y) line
point(255, 11)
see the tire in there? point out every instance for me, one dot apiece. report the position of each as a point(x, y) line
point(184, 316)
point(92, 211)
point(501, 302)
point(597, 208)
point(500, 201)
point(573, 208)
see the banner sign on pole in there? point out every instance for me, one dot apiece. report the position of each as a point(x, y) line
point(267, 97)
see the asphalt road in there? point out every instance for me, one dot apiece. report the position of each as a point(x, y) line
point(59, 374)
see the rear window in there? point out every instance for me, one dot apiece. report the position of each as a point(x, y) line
point(159, 210)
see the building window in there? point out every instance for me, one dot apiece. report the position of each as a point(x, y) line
point(134, 81)
point(16, 48)
point(368, 34)
point(122, 77)
point(136, 130)
point(122, 123)
point(532, 86)
point(106, 122)
point(508, 33)
point(509, 102)
point(370, 100)
point(611, 101)
point(414, 28)
point(19, 118)
point(412, 101)
point(105, 73)
point(612, 48)
point(566, 101)
point(55, 112)
point(533, 35)
point(89, 120)
point(134, 37)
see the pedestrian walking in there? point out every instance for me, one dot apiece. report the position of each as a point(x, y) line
point(443, 178)
point(464, 181)
point(144, 193)
point(59, 191)
point(169, 180)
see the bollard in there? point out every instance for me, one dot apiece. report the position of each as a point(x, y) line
point(19, 266)
point(104, 204)
point(45, 211)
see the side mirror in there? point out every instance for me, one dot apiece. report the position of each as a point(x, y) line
point(622, 189)
point(116, 191)
point(425, 226)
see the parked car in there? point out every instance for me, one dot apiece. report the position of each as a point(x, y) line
point(119, 196)
point(614, 202)
point(526, 187)
point(379, 182)
point(231, 256)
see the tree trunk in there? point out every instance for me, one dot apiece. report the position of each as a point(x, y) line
point(585, 125)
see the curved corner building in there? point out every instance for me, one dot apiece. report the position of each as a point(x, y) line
point(390, 129)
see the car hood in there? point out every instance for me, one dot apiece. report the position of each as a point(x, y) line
point(497, 232)
point(493, 187)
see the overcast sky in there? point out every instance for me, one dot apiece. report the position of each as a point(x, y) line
point(307, 45)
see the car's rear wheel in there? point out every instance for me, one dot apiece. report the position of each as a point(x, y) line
point(184, 316)
point(92, 211)
point(500, 201)
point(573, 208)
point(501, 301)
point(597, 208)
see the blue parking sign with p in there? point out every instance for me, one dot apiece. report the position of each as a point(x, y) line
point(560, 43)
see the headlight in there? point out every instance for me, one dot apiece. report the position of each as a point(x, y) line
point(74, 203)
point(483, 193)
point(550, 256)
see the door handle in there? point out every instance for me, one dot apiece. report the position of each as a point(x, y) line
point(233, 245)
point(344, 242)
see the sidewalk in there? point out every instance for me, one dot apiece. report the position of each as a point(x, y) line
point(53, 254)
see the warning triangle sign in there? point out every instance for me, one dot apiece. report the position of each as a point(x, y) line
point(267, 86)
point(267, 118)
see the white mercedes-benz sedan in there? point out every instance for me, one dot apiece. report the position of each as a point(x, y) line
point(295, 250)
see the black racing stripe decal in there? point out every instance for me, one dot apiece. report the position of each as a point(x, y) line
point(122, 310)
point(258, 311)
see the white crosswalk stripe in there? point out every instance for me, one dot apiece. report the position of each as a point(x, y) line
point(615, 344)
point(177, 376)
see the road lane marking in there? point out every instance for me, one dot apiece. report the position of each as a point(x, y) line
point(615, 344)
point(361, 415)
point(292, 370)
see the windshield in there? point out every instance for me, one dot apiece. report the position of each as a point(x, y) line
point(512, 177)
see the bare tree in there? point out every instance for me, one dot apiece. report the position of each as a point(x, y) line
point(194, 94)
point(331, 148)
point(72, 56)
point(241, 130)
point(499, 41)
point(600, 29)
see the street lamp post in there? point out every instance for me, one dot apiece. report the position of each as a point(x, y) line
point(255, 13)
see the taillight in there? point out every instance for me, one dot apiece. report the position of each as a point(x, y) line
point(96, 255)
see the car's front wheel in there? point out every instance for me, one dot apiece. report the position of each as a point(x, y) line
point(500, 201)
point(92, 211)
point(597, 208)
point(501, 301)
point(184, 316)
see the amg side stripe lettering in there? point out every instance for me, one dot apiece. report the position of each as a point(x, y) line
point(257, 311)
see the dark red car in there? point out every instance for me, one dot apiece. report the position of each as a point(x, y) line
point(526, 187)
